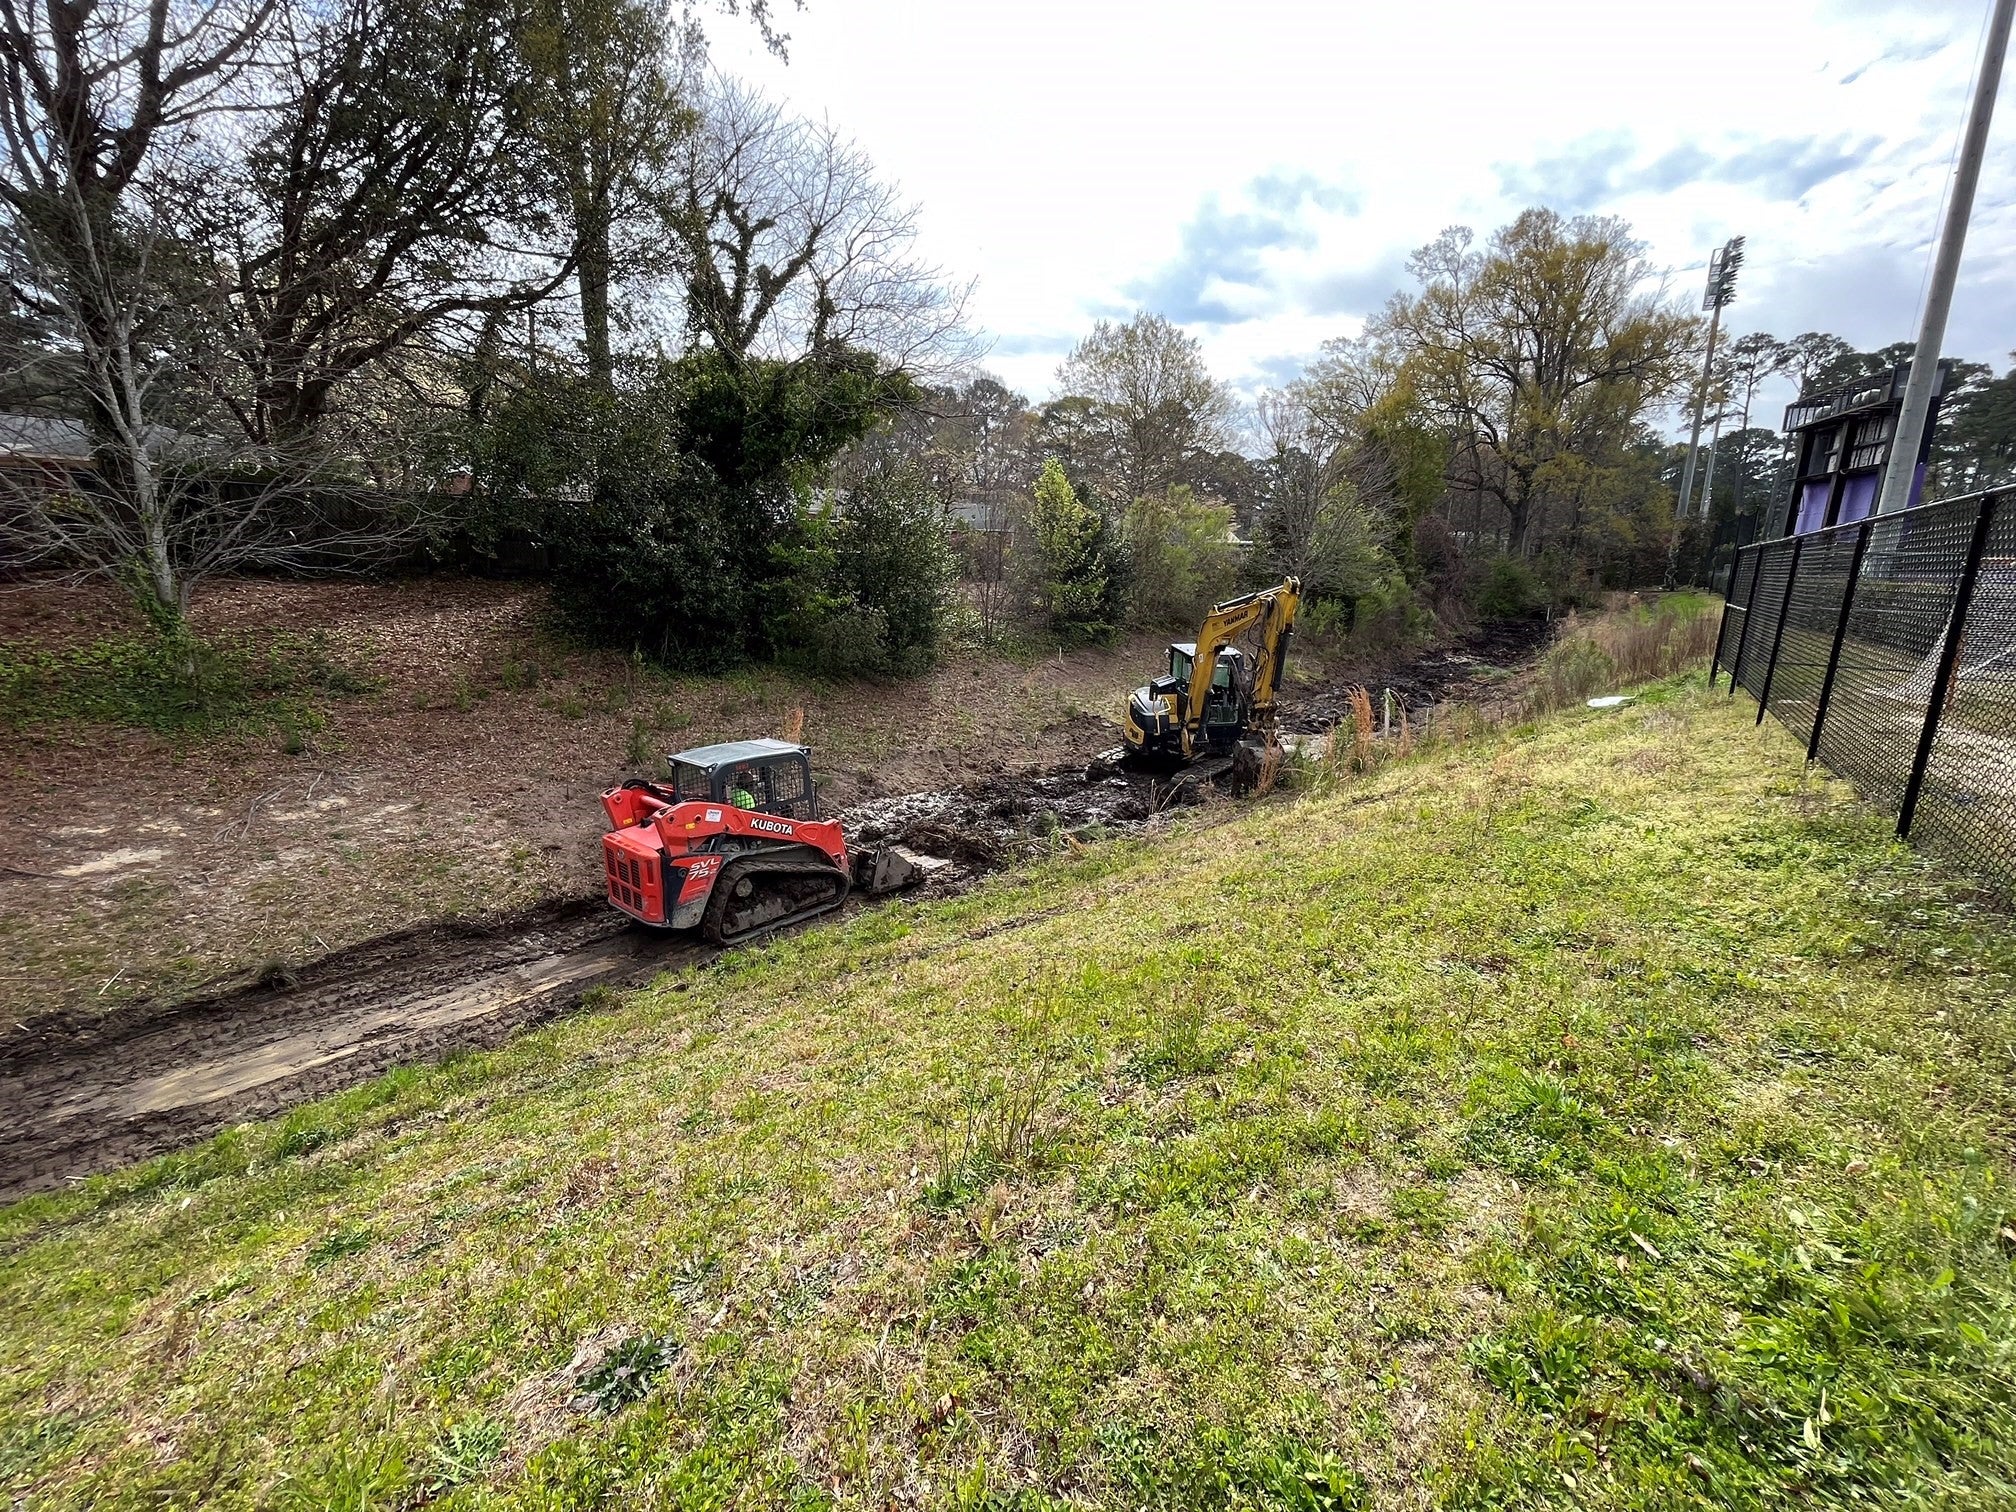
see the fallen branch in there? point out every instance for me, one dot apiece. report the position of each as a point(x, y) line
point(243, 827)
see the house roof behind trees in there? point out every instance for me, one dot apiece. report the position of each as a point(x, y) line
point(55, 438)
point(43, 438)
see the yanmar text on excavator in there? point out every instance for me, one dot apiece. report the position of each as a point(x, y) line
point(735, 845)
point(1217, 697)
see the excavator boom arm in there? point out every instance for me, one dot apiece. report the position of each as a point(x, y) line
point(1273, 609)
point(1274, 638)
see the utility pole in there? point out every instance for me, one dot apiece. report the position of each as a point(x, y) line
point(1901, 471)
point(1722, 269)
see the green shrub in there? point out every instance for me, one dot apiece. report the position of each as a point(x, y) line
point(670, 512)
point(871, 581)
point(1389, 613)
point(1075, 578)
point(1323, 618)
point(836, 639)
point(1510, 590)
point(1181, 557)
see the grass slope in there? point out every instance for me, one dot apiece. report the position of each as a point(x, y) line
point(1602, 1114)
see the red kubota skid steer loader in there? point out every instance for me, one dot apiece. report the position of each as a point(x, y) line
point(735, 845)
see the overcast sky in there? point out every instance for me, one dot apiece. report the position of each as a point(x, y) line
point(1259, 172)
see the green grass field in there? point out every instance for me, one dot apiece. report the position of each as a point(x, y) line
point(1604, 1113)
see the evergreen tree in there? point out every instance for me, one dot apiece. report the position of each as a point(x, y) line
point(1072, 579)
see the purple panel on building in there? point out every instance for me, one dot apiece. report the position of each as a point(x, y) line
point(1813, 506)
point(1858, 497)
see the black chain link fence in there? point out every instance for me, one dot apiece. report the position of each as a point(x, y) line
point(1889, 647)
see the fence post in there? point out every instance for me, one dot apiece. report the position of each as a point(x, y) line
point(1749, 608)
point(1840, 631)
point(1778, 635)
point(1722, 628)
point(1949, 653)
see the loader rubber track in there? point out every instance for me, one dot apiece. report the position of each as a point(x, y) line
point(784, 889)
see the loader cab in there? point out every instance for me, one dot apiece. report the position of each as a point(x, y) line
point(774, 776)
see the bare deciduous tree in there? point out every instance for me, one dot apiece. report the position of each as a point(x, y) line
point(1324, 512)
point(1152, 402)
point(97, 97)
point(792, 246)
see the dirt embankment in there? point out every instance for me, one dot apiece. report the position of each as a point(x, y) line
point(134, 866)
point(86, 1089)
point(85, 1092)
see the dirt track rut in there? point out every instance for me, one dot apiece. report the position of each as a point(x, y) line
point(79, 1095)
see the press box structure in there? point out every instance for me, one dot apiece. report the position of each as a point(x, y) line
point(1840, 447)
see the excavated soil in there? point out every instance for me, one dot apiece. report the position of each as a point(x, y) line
point(81, 1093)
point(1473, 671)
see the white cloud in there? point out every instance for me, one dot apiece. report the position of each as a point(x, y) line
point(1259, 173)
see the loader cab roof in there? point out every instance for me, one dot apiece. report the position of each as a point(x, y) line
point(731, 752)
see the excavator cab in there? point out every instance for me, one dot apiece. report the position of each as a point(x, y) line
point(1166, 707)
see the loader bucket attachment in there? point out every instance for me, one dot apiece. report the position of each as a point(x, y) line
point(886, 869)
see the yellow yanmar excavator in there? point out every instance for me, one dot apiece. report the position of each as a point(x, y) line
point(1217, 700)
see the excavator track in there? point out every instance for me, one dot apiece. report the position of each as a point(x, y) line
point(760, 892)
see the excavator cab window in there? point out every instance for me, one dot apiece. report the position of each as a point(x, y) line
point(766, 776)
point(1180, 662)
point(1222, 705)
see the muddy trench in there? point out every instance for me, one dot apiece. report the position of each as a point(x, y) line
point(80, 1095)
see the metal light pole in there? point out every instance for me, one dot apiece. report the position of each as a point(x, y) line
point(1897, 481)
point(1722, 268)
point(1721, 289)
point(1708, 482)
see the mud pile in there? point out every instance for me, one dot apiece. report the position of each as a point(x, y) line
point(987, 825)
point(1466, 672)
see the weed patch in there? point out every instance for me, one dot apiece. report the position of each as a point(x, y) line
point(1609, 652)
point(624, 1375)
point(182, 686)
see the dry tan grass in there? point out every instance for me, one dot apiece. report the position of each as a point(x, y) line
point(1362, 730)
point(1641, 643)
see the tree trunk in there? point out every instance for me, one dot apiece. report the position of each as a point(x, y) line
point(594, 279)
point(116, 420)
